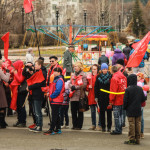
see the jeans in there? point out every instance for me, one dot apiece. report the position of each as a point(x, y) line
point(142, 120)
point(123, 117)
point(117, 110)
point(64, 113)
point(38, 112)
point(93, 115)
point(21, 110)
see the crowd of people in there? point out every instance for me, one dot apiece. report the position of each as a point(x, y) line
point(106, 89)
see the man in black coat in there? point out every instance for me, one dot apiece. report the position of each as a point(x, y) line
point(133, 98)
point(103, 59)
point(127, 50)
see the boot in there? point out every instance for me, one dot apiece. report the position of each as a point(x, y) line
point(2, 121)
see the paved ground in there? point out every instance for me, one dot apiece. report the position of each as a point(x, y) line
point(21, 139)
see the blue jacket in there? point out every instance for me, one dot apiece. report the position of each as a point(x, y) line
point(142, 64)
point(59, 85)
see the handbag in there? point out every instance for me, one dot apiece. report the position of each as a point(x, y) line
point(23, 87)
point(83, 102)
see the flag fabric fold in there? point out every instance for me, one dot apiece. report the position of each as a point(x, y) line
point(5, 39)
point(139, 51)
point(28, 6)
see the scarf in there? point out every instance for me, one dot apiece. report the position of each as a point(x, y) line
point(104, 78)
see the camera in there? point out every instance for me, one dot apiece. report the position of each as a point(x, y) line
point(29, 68)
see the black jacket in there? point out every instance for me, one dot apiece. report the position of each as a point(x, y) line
point(126, 51)
point(103, 59)
point(103, 98)
point(37, 93)
point(133, 97)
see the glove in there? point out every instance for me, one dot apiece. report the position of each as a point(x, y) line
point(73, 88)
point(96, 100)
point(7, 71)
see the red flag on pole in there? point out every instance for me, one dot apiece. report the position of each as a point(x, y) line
point(139, 51)
point(28, 6)
point(5, 39)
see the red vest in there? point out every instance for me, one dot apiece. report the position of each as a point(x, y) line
point(59, 99)
point(50, 72)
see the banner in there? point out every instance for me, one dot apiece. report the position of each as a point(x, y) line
point(139, 51)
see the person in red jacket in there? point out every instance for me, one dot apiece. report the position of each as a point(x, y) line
point(91, 78)
point(18, 98)
point(53, 64)
point(118, 84)
point(56, 92)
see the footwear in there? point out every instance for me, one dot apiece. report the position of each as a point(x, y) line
point(18, 124)
point(32, 126)
point(130, 142)
point(137, 142)
point(99, 128)
point(58, 131)
point(67, 127)
point(142, 135)
point(73, 128)
point(49, 132)
point(115, 133)
point(108, 130)
point(63, 127)
point(77, 128)
point(103, 130)
point(2, 121)
point(92, 128)
point(36, 129)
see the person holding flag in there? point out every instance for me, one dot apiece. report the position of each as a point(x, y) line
point(136, 59)
point(35, 82)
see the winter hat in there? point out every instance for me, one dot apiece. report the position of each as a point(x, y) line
point(131, 80)
point(120, 61)
point(104, 66)
point(140, 74)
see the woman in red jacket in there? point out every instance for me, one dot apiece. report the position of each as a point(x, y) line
point(91, 96)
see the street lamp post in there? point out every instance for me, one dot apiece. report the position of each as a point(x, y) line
point(102, 16)
point(73, 27)
point(137, 22)
point(85, 15)
point(22, 20)
point(57, 16)
point(119, 22)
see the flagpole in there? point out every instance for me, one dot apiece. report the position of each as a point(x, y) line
point(36, 31)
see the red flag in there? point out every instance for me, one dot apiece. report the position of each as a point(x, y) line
point(28, 6)
point(139, 51)
point(5, 39)
point(36, 78)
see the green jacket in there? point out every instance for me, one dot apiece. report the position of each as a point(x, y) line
point(67, 61)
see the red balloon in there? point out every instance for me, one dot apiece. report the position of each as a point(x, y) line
point(146, 87)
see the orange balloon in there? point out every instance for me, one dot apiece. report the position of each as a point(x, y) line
point(51, 78)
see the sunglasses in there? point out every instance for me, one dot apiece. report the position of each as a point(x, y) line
point(51, 61)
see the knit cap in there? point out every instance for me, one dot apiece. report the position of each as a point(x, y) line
point(104, 66)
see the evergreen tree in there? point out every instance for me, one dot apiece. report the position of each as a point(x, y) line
point(138, 22)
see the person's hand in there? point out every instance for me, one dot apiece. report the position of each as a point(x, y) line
point(6, 84)
point(96, 100)
point(73, 88)
point(27, 88)
point(15, 71)
point(90, 86)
